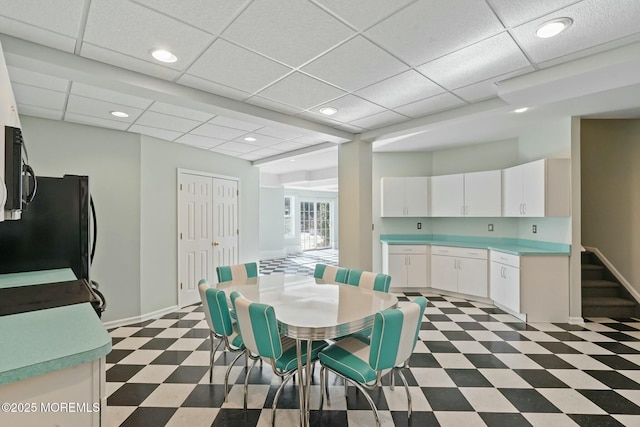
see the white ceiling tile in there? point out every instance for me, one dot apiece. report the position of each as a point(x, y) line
point(234, 66)
point(288, 146)
point(486, 89)
point(128, 62)
point(486, 59)
point(200, 141)
point(285, 30)
point(209, 86)
point(225, 152)
point(431, 105)
point(401, 89)
point(589, 28)
point(379, 120)
point(134, 30)
point(361, 14)
point(351, 108)
point(301, 91)
point(165, 134)
point(39, 97)
point(427, 30)
point(101, 109)
point(175, 110)
point(37, 35)
point(233, 123)
point(45, 113)
point(310, 140)
point(95, 121)
point(114, 97)
point(266, 152)
point(261, 140)
point(167, 122)
point(30, 78)
point(516, 12)
point(237, 147)
point(273, 105)
point(279, 133)
point(355, 64)
point(250, 156)
point(219, 132)
point(208, 15)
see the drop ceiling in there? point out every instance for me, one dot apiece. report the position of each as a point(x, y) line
point(405, 74)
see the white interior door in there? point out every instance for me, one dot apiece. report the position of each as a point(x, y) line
point(225, 222)
point(195, 235)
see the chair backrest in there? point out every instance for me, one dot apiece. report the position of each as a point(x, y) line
point(258, 327)
point(394, 334)
point(237, 271)
point(330, 273)
point(366, 279)
point(219, 312)
point(203, 285)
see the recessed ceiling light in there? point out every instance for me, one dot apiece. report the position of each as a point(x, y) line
point(119, 114)
point(249, 139)
point(292, 160)
point(520, 110)
point(553, 28)
point(164, 55)
point(328, 111)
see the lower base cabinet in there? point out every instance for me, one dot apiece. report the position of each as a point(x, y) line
point(406, 264)
point(462, 270)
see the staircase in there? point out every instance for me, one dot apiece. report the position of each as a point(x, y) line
point(602, 294)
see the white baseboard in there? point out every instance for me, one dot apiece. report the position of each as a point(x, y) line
point(141, 318)
point(280, 253)
point(576, 321)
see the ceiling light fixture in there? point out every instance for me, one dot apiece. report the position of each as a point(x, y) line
point(328, 111)
point(120, 114)
point(163, 55)
point(250, 139)
point(520, 110)
point(553, 28)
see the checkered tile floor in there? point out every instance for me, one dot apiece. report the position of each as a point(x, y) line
point(303, 263)
point(473, 366)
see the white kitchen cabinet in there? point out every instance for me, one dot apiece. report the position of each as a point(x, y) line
point(461, 270)
point(406, 264)
point(476, 194)
point(537, 189)
point(534, 287)
point(404, 196)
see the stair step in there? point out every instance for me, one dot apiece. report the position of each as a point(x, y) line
point(607, 302)
point(599, 288)
point(592, 271)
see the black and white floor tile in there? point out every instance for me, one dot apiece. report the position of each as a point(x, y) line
point(473, 365)
point(303, 263)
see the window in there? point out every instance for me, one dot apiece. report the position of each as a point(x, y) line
point(289, 232)
point(315, 225)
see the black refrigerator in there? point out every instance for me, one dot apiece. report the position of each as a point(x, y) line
point(57, 230)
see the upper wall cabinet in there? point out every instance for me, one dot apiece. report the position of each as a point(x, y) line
point(404, 196)
point(477, 194)
point(537, 189)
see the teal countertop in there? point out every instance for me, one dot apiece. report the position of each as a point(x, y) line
point(36, 277)
point(501, 244)
point(42, 341)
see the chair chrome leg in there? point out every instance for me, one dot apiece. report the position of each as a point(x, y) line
point(275, 399)
point(370, 400)
point(246, 383)
point(393, 379)
point(406, 388)
point(226, 375)
point(212, 356)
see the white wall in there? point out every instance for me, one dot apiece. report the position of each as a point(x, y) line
point(133, 180)
point(272, 222)
point(160, 161)
point(111, 159)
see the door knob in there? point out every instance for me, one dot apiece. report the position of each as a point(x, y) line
point(216, 244)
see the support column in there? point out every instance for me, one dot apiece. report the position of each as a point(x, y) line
point(354, 199)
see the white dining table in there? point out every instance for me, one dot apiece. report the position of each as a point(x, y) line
point(308, 310)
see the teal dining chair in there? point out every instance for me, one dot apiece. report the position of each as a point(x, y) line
point(203, 285)
point(366, 279)
point(258, 327)
point(393, 339)
point(237, 271)
point(330, 274)
point(222, 327)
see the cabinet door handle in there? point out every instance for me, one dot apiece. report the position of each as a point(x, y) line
point(408, 260)
point(524, 209)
